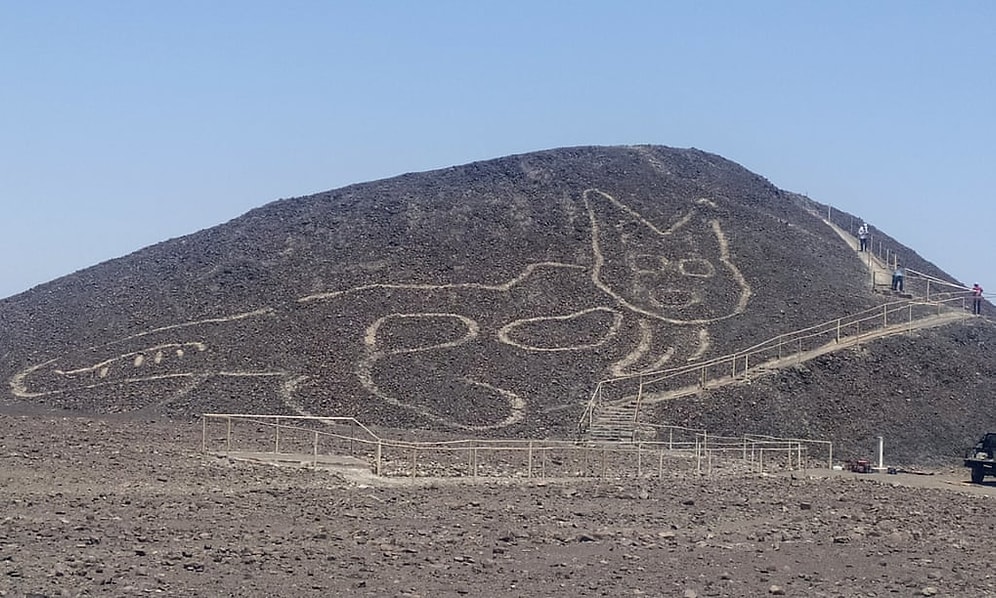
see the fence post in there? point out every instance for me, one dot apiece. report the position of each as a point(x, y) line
point(911, 318)
point(475, 460)
point(885, 315)
point(639, 459)
point(414, 453)
point(838, 330)
point(705, 446)
point(529, 472)
point(228, 436)
point(203, 434)
point(698, 455)
point(276, 438)
point(734, 375)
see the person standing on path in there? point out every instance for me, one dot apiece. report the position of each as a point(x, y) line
point(863, 236)
point(897, 277)
point(976, 299)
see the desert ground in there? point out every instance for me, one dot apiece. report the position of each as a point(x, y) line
point(123, 507)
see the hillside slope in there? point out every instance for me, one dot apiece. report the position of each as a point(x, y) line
point(485, 298)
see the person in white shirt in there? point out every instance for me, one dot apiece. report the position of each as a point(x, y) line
point(863, 236)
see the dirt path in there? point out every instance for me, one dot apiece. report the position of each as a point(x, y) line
point(879, 271)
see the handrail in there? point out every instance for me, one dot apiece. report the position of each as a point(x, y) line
point(508, 458)
point(878, 316)
point(320, 418)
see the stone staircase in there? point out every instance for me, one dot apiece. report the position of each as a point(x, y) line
point(615, 423)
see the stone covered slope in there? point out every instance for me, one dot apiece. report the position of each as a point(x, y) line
point(485, 298)
point(929, 395)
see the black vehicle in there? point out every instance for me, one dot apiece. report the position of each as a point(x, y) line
point(982, 458)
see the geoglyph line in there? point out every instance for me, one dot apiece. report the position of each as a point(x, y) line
point(505, 334)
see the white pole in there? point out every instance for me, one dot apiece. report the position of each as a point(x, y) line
point(881, 453)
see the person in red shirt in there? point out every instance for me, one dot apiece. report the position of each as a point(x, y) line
point(976, 299)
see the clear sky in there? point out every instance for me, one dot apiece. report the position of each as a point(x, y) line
point(123, 124)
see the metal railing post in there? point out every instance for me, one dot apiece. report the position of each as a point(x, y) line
point(529, 472)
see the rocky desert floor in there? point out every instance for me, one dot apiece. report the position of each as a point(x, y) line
point(116, 507)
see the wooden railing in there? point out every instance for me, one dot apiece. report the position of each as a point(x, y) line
point(306, 441)
point(888, 317)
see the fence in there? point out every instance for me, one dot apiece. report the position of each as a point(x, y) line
point(767, 354)
point(287, 434)
point(303, 439)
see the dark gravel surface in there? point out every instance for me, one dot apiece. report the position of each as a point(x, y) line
point(489, 299)
point(96, 507)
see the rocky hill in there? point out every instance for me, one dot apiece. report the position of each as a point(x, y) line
point(489, 298)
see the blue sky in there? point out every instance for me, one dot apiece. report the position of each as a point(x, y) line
point(129, 123)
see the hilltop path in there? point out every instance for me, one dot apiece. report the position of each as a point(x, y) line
point(620, 419)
